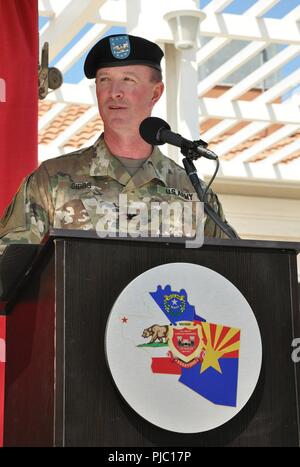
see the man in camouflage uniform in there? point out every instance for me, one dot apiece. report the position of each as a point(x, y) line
point(76, 191)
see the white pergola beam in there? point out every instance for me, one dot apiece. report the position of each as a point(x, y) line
point(293, 14)
point(112, 13)
point(49, 116)
point(52, 8)
point(216, 6)
point(288, 150)
point(70, 94)
point(66, 62)
point(261, 73)
point(237, 90)
point(211, 48)
point(68, 17)
point(289, 172)
point(284, 113)
point(239, 137)
point(250, 28)
point(267, 96)
point(243, 56)
point(260, 7)
point(280, 88)
point(59, 31)
point(218, 129)
point(267, 142)
point(246, 133)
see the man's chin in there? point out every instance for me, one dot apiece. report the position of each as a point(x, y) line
point(119, 126)
point(119, 123)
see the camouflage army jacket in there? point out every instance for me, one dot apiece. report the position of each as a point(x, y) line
point(77, 190)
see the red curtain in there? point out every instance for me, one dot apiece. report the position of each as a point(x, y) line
point(18, 94)
point(18, 111)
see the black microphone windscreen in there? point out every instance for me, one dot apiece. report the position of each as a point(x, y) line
point(149, 130)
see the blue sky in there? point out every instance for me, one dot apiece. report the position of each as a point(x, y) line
point(75, 74)
point(240, 6)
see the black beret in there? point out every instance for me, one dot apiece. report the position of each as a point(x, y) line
point(120, 50)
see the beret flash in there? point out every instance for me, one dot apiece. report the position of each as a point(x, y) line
point(121, 50)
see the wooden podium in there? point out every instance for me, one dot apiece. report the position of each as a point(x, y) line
point(58, 389)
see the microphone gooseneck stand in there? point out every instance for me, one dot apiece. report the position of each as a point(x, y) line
point(192, 151)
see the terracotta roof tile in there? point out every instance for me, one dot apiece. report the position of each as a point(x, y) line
point(61, 122)
point(280, 145)
point(251, 141)
point(251, 94)
point(44, 106)
point(95, 126)
point(246, 144)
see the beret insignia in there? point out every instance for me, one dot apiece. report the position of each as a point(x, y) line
point(120, 47)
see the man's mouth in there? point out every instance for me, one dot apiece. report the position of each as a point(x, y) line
point(117, 107)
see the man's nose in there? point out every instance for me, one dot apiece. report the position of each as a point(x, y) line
point(116, 90)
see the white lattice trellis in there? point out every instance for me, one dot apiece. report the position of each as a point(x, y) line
point(270, 155)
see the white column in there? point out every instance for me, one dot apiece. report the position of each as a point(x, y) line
point(171, 92)
point(187, 101)
point(160, 109)
point(181, 93)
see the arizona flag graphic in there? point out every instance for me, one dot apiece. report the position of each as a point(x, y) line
point(216, 377)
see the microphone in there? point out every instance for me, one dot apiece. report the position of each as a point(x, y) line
point(156, 131)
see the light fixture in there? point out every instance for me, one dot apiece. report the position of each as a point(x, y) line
point(184, 25)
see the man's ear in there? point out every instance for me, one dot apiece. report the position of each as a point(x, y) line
point(157, 92)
